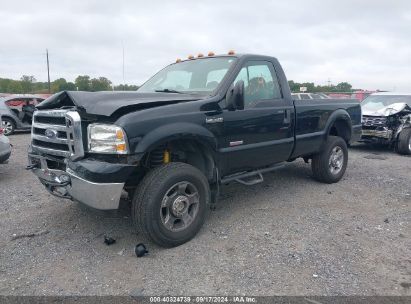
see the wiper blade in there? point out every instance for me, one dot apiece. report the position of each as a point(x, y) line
point(169, 91)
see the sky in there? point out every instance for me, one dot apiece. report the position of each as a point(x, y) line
point(366, 43)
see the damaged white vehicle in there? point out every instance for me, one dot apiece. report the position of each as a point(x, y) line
point(386, 119)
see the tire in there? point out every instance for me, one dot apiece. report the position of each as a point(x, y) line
point(330, 163)
point(404, 142)
point(4, 158)
point(157, 204)
point(9, 126)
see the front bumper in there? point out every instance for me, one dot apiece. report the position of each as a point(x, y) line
point(67, 183)
point(380, 132)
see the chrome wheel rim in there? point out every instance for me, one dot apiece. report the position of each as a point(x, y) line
point(179, 206)
point(336, 160)
point(409, 144)
point(8, 127)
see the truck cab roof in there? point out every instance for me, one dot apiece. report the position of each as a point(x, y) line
point(240, 55)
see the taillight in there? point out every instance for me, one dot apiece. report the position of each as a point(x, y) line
point(1, 130)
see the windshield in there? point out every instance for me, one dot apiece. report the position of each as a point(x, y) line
point(377, 102)
point(192, 76)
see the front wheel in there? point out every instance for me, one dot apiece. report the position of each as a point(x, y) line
point(329, 164)
point(404, 142)
point(9, 126)
point(171, 203)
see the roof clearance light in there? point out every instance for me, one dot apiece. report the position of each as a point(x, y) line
point(190, 57)
point(231, 52)
point(200, 55)
point(211, 54)
point(178, 60)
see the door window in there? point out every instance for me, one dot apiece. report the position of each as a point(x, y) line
point(260, 82)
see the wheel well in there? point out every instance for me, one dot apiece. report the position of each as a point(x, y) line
point(188, 151)
point(341, 128)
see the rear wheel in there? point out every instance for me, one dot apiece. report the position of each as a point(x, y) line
point(171, 203)
point(330, 164)
point(404, 142)
point(9, 126)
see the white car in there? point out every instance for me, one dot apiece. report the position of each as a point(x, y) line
point(386, 119)
point(5, 148)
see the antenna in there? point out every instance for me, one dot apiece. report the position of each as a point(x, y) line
point(124, 82)
point(48, 69)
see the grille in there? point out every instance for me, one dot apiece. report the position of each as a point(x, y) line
point(58, 133)
point(374, 121)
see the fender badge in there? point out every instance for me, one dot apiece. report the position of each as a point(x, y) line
point(211, 120)
point(236, 143)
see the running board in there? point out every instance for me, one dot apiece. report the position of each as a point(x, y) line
point(251, 177)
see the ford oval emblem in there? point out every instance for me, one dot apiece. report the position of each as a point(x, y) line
point(50, 133)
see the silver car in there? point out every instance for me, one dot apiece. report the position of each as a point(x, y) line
point(5, 148)
point(16, 112)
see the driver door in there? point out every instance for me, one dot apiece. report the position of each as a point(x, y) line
point(261, 134)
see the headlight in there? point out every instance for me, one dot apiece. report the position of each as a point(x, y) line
point(110, 139)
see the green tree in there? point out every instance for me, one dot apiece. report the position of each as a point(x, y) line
point(5, 84)
point(343, 87)
point(293, 86)
point(61, 84)
point(82, 83)
point(58, 85)
point(15, 87)
point(70, 86)
point(126, 87)
point(312, 88)
point(27, 83)
point(100, 84)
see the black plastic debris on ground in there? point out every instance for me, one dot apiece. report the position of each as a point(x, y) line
point(109, 241)
point(141, 250)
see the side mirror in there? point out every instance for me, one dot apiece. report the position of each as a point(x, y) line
point(235, 96)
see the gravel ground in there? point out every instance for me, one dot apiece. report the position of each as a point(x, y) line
point(289, 235)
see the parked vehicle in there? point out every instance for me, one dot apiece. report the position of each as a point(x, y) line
point(309, 96)
point(387, 120)
point(194, 126)
point(340, 96)
point(5, 148)
point(361, 94)
point(17, 112)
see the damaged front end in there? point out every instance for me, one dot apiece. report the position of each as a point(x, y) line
point(384, 129)
point(59, 156)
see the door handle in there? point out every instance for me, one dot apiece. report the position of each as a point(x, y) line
point(287, 117)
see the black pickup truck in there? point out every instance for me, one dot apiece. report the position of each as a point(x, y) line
point(194, 126)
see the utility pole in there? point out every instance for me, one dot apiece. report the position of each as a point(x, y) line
point(48, 69)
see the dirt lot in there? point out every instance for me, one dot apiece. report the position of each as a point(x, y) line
point(287, 236)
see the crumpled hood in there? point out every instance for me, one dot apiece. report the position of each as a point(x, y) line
point(388, 110)
point(106, 103)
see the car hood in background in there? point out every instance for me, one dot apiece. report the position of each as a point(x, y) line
point(106, 103)
point(388, 110)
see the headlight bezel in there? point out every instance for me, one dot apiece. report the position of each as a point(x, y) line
point(115, 143)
